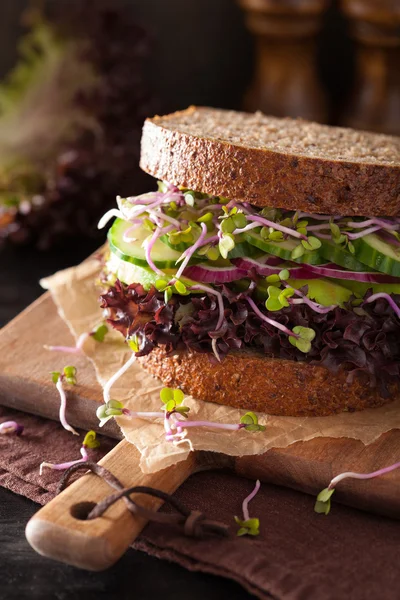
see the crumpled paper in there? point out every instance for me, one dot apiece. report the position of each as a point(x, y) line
point(76, 295)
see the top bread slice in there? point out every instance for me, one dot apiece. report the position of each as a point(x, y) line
point(267, 161)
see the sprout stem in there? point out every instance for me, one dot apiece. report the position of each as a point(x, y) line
point(116, 376)
point(383, 224)
point(147, 198)
point(142, 414)
point(228, 426)
point(385, 297)
point(319, 227)
point(305, 300)
point(305, 215)
point(246, 501)
point(63, 406)
point(210, 290)
point(148, 245)
point(314, 305)
point(161, 215)
point(71, 349)
point(113, 212)
point(178, 423)
point(323, 236)
point(66, 465)
point(247, 228)
point(355, 236)
point(270, 321)
point(277, 227)
point(243, 206)
point(134, 226)
point(215, 349)
point(350, 474)
point(167, 427)
point(190, 251)
point(210, 207)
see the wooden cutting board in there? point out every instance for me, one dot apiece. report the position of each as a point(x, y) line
point(54, 531)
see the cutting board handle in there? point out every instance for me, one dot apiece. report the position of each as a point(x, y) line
point(59, 529)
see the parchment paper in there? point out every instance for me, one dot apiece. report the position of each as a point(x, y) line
point(76, 296)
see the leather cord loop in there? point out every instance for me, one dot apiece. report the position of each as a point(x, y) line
point(192, 523)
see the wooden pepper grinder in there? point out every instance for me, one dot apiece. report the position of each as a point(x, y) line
point(285, 81)
point(375, 102)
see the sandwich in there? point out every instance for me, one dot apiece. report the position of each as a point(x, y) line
point(264, 272)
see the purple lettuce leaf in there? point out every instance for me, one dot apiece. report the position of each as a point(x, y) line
point(365, 343)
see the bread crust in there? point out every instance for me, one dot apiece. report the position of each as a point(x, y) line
point(251, 381)
point(266, 177)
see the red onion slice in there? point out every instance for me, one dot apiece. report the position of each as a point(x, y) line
point(335, 272)
point(305, 271)
point(296, 272)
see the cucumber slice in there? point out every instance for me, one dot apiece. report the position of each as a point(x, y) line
point(243, 250)
point(181, 247)
point(340, 256)
point(133, 252)
point(283, 249)
point(128, 273)
point(378, 254)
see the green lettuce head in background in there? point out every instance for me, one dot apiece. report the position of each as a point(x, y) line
point(71, 113)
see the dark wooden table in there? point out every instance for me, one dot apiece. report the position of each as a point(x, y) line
point(25, 574)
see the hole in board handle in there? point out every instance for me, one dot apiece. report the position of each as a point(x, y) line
point(81, 510)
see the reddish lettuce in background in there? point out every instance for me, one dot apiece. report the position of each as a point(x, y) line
point(78, 99)
point(365, 343)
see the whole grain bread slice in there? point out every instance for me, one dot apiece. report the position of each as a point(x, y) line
point(249, 380)
point(285, 163)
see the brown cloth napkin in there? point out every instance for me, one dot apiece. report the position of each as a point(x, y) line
point(298, 555)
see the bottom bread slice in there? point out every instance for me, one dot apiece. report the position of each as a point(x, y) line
point(252, 381)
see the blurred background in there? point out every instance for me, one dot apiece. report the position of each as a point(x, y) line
point(80, 76)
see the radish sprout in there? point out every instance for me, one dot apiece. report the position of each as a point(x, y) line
point(90, 441)
point(68, 375)
point(323, 502)
point(11, 428)
point(175, 427)
point(97, 334)
point(248, 525)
